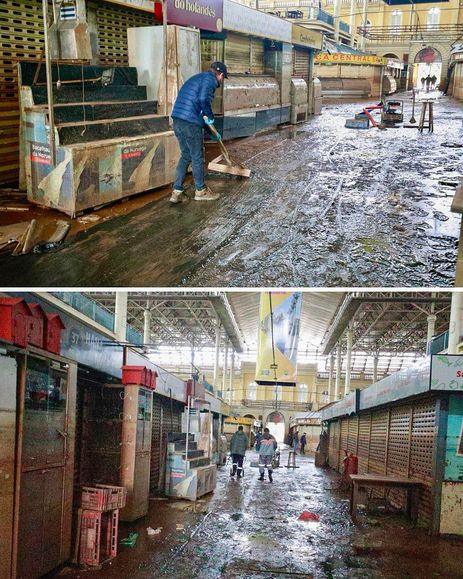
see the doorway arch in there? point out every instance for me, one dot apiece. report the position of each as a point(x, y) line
point(276, 424)
point(428, 62)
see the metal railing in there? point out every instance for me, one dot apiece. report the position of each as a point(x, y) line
point(344, 27)
point(277, 404)
point(396, 34)
point(325, 17)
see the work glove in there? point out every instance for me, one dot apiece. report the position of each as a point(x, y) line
point(217, 137)
point(208, 121)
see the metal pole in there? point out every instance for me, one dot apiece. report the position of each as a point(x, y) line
point(147, 327)
point(375, 368)
point(455, 322)
point(330, 378)
point(232, 372)
point(350, 336)
point(381, 84)
point(164, 31)
point(225, 367)
point(338, 373)
point(120, 316)
point(217, 354)
point(49, 71)
point(412, 118)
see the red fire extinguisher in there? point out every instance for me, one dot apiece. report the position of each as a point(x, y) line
point(350, 465)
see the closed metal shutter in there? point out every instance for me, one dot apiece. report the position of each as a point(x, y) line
point(334, 445)
point(21, 38)
point(301, 64)
point(378, 442)
point(113, 21)
point(422, 447)
point(364, 442)
point(352, 438)
point(343, 442)
point(399, 449)
point(257, 56)
point(164, 421)
point(244, 54)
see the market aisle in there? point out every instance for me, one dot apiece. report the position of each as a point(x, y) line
point(250, 529)
point(325, 206)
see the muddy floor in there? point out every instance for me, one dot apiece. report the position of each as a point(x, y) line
point(325, 206)
point(250, 529)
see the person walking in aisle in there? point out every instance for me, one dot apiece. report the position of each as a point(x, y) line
point(267, 447)
point(238, 446)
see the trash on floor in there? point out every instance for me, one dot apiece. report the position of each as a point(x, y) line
point(131, 540)
point(308, 516)
point(151, 532)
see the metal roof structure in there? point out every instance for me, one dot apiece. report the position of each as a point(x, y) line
point(393, 325)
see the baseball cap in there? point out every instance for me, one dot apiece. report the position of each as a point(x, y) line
point(220, 67)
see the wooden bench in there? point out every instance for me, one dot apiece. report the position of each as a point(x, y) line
point(364, 481)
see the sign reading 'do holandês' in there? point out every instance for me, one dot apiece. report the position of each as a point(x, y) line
point(204, 14)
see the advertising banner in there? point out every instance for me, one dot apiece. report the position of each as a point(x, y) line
point(454, 449)
point(145, 5)
point(203, 14)
point(399, 385)
point(343, 58)
point(447, 372)
point(348, 405)
point(280, 314)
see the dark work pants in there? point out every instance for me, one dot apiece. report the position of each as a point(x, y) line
point(237, 464)
point(190, 140)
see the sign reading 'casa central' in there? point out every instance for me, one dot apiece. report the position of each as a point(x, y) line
point(204, 14)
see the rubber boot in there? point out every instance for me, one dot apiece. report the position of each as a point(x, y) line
point(270, 478)
point(261, 477)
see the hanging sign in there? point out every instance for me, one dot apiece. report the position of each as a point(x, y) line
point(202, 14)
point(447, 372)
point(302, 36)
point(348, 405)
point(280, 314)
point(239, 18)
point(344, 58)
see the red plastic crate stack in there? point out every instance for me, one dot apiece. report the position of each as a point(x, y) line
point(98, 536)
point(23, 324)
point(99, 523)
point(140, 375)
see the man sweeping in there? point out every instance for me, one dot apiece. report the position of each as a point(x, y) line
point(238, 446)
point(191, 113)
point(266, 449)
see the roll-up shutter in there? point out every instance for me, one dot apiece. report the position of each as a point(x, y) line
point(301, 64)
point(352, 438)
point(112, 22)
point(364, 442)
point(343, 441)
point(237, 53)
point(257, 56)
point(378, 442)
point(21, 38)
point(166, 418)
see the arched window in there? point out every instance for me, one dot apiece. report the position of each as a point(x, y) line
point(252, 391)
point(396, 21)
point(302, 394)
point(433, 18)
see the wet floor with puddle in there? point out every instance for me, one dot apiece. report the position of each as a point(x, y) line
point(325, 206)
point(251, 529)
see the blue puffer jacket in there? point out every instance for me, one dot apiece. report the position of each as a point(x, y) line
point(195, 98)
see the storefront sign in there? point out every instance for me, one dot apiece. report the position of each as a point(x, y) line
point(345, 407)
point(342, 58)
point(239, 18)
point(454, 446)
point(447, 372)
point(280, 314)
point(305, 37)
point(403, 384)
point(203, 14)
point(145, 5)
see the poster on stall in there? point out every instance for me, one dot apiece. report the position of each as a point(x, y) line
point(454, 449)
point(280, 314)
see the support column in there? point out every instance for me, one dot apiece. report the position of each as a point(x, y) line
point(352, 22)
point(431, 327)
point(330, 378)
point(337, 18)
point(375, 367)
point(217, 355)
point(120, 317)
point(455, 325)
point(338, 373)
point(364, 22)
point(350, 336)
point(232, 373)
point(225, 367)
point(147, 327)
